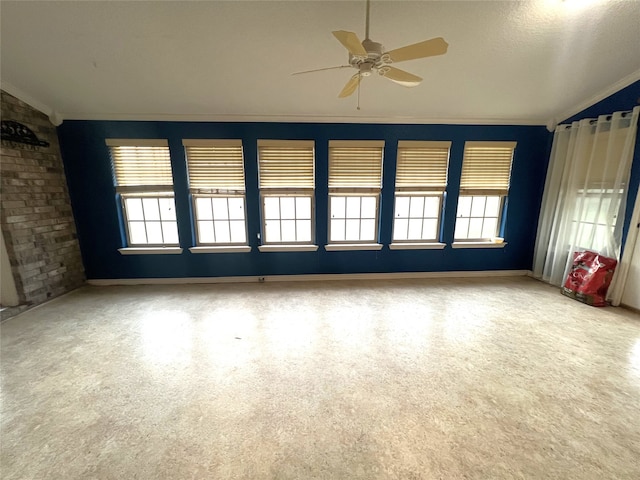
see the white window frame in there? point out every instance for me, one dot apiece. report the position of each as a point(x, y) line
point(143, 184)
point(376, 219)
point(216, 175)
point(347, 181)
point(396, 217)
point(228, 221)
point(296, 219)
point(293, 185)
point(491, 238)
point(128, 221)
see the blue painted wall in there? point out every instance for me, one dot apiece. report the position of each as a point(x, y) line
point(92, 192)
point(622, 100)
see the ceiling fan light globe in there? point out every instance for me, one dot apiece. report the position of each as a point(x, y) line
point(365, 69)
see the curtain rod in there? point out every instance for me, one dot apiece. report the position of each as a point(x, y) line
point(624, 114)
point(593, 121)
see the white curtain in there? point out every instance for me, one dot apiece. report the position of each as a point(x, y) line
point(585, 193)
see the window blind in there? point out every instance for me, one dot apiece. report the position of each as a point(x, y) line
point(486, 168)
point(215, 165)
point(286, 164)
point(141, 165)
point(355, 165)
point(600, 157)
point(422, 166)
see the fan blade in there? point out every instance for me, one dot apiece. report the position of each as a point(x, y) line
point(428, 48)
point(401, 77)
point(351, 42)
point(350, 87)
point(322, 69)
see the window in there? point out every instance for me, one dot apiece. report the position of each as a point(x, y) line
point(286, 177)
point(216, 182)
point(353, 218)
point(144, 183)
point(595, 217)
point(355, 181)
point(484, 184)
point(478, 217)
point(597, 200)
point(421, 179)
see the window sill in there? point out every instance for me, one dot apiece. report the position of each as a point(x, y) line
point(417, 246)
point(150, 251)
point(337, 247)
point(288, 248)
point(478, 245)
point(221, 249)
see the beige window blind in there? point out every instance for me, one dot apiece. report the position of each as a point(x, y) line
point(486, 168)
point(355, 165)
point(286, 164)
point(215, 165)
point(422, 166)
point(141, 165)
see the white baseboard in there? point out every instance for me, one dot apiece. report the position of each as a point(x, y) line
point(308, 278)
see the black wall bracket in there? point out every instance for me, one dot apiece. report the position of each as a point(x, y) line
point(16, 134)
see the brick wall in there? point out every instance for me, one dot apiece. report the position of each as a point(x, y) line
point(35, 214)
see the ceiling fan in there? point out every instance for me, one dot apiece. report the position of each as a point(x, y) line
point(368, 57)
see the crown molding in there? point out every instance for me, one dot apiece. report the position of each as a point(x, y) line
point(610, 90)
point(57, 117)
point(26, 98)
point(54, 117)
point(302, 119)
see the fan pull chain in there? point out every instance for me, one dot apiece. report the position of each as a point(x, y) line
point(359, 78)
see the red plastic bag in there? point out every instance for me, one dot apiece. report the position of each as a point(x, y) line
point(589, 278)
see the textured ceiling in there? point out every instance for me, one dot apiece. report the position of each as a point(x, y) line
point(508, 62)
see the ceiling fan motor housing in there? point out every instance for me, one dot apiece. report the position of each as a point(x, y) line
point(374, 49)
point(373, 58)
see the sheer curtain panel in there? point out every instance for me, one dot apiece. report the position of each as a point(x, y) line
point(585, 193)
